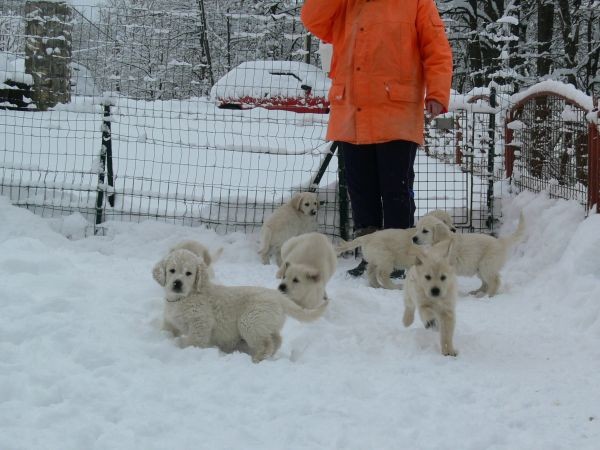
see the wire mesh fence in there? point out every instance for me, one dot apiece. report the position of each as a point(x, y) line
point(211, 118)
point(548, 144)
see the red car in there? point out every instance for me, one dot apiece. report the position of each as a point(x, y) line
point(284, 85)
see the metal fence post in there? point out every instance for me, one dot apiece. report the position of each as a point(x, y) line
point(594, 164)
point(107, 141)
point(490, 162)
point(105, 168)
point(307, 47)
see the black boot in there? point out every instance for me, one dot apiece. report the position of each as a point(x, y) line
point(358, 270)
point(398, 274)
point(362, 266)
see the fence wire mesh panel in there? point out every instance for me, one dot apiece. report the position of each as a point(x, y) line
point(181, 115)
point(465, 142)
point(548, 135)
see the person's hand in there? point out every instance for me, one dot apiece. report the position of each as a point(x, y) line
point(433, 108)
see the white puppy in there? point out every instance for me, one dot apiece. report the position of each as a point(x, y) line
point(442, 215)
point(309, 261)
point(201, 252)
point(296, 217)
point(471, 254)
point(386, 250)
point(204, 314)
point(431, 288)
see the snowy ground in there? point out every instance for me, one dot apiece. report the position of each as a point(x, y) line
point(84, 364)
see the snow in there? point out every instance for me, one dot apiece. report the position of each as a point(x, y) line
point(566, 90)
point(12, 68)
point(516, 125)
point(569, 114)
point(508, 19)
point(85, 364)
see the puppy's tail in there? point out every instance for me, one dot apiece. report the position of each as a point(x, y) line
point(294, 310)
point(216, 255)
point(512, 239)
point(346, 246)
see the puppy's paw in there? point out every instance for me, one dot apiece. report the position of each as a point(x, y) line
point(183, 341)
point(431, 324)
point(409, 317)
point(450, 352)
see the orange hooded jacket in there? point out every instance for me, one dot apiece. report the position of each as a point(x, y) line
point(389, 56)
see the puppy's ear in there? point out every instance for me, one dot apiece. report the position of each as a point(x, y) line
point(418, 253)
point(206, 257)
point(202, 277)
point(313, 275)
point(281, 272)
point(440, 232)
point(159, 272)
point(296, 201)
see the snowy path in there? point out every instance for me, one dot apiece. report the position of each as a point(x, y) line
point(84, 364)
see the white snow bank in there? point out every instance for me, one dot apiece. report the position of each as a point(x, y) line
point(84, 364)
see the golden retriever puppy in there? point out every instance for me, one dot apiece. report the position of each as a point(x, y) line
point(309, 261)
point(442, 215)
point(471, 254)
point(200, 251)
point(296, 217)
point(204, 314)
point(386, 250)
point(432, 289)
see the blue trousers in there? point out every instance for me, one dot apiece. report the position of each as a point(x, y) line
point(380, 179)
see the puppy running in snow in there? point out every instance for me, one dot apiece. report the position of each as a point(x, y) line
point(309, 261)
point(431, 288)
point(386, 250)
point(296, 217)
point(471, 254)
point(204, 314)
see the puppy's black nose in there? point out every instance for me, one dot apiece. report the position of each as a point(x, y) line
point(177, 285)
point(282, 287)
point(415, 239)
point(435, 291)
point(313, 212)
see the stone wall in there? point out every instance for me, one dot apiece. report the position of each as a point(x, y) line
point(48, 51)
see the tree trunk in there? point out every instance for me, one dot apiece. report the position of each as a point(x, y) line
point(545, 24)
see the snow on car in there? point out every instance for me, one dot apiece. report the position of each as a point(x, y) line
point(287, 85)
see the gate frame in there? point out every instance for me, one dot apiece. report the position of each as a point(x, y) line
point(593, 188)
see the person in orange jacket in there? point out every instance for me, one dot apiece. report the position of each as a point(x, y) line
point(391, 59)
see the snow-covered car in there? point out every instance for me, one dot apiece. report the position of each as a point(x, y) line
point(286, 85)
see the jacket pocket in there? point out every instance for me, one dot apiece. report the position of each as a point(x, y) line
point(398, 92)
point(336, 93)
